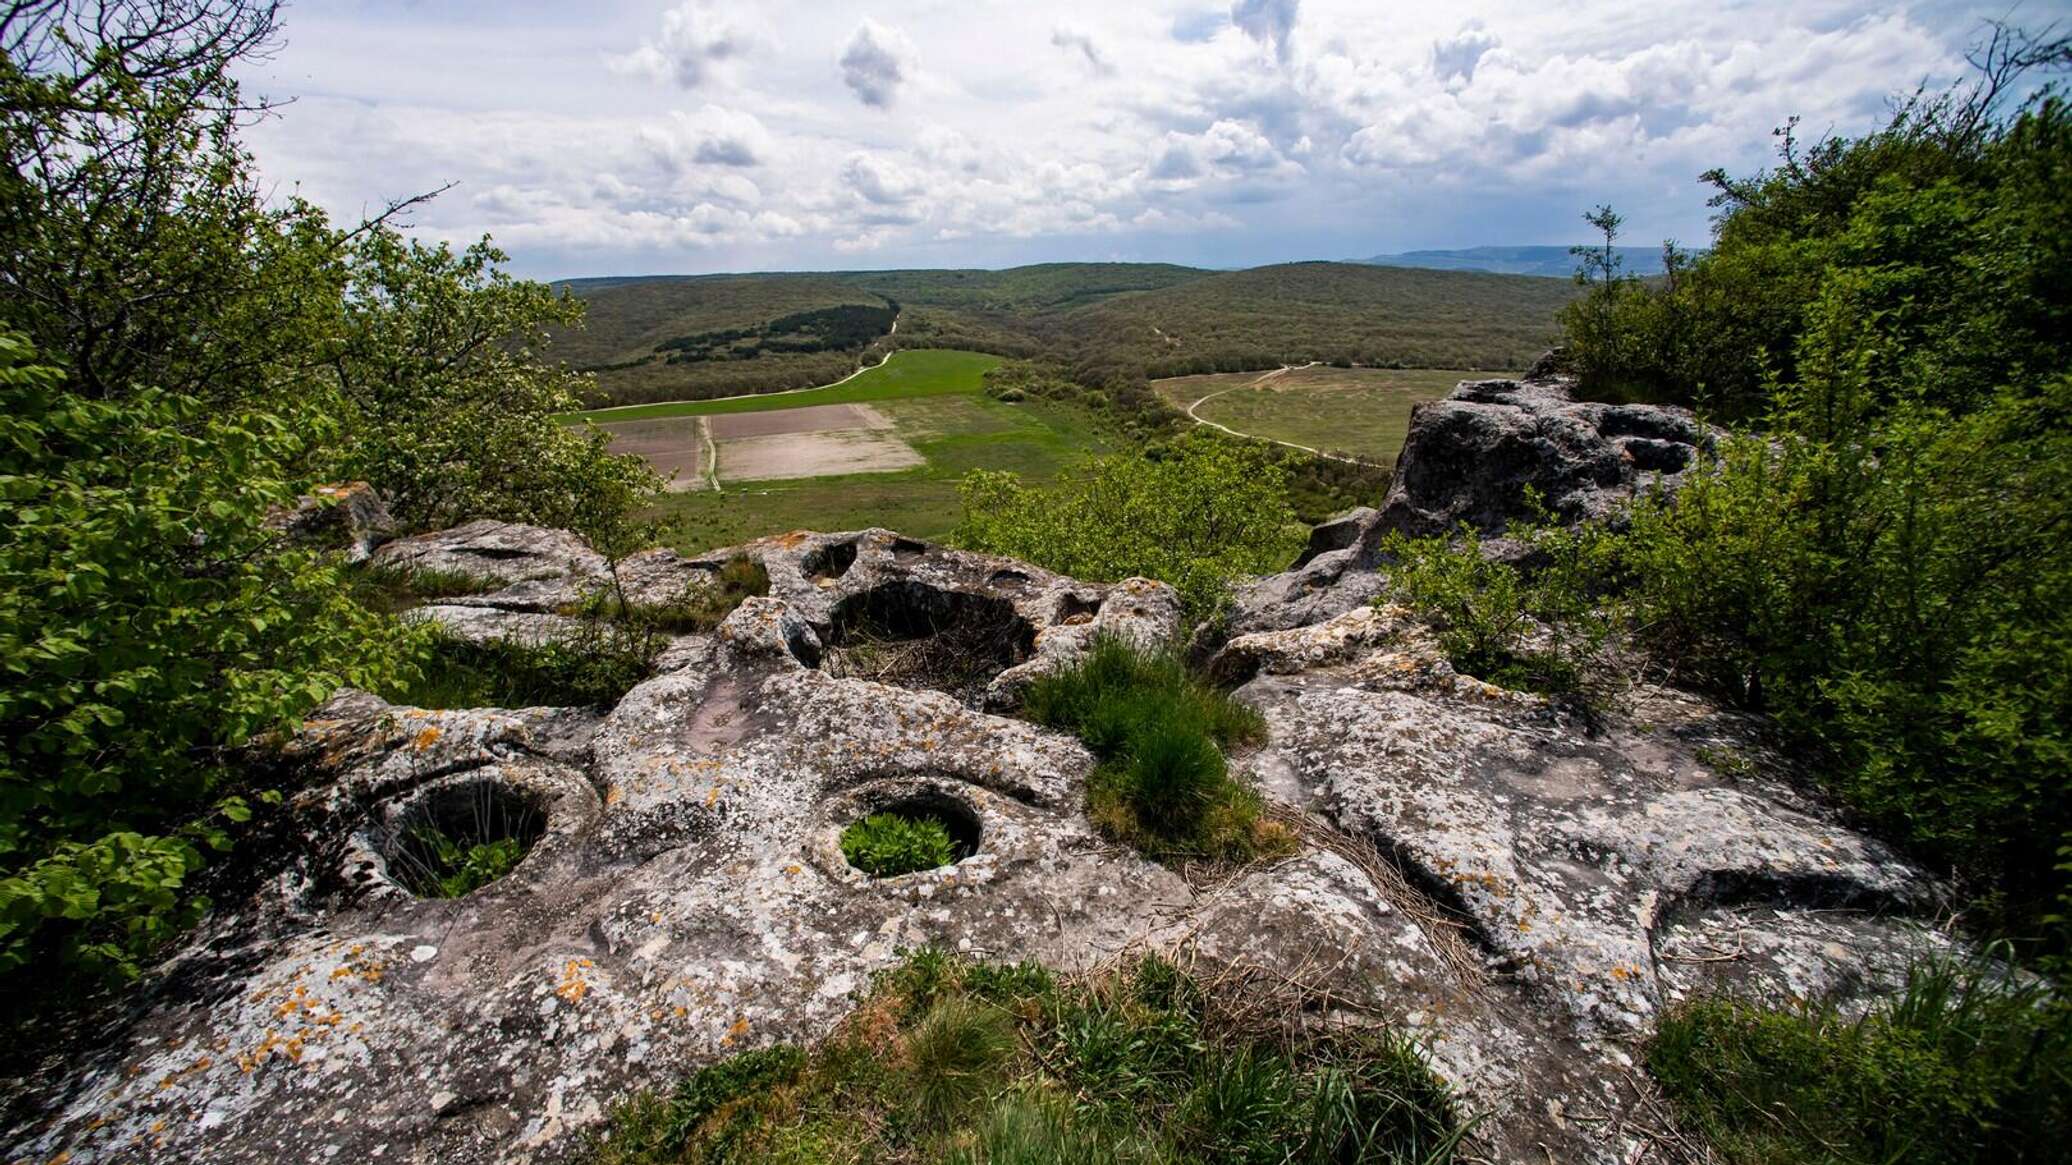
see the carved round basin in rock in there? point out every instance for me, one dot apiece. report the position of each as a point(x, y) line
point(956, 818)
point(459, 837)
point(457, 834)
point(962, 811)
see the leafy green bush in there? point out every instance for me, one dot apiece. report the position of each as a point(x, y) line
point(1966, 1066)
point(178, 355)
point(1209, 510)
point(149, 626)
point(1163, 784)
point(885, 845)
point(1141, 1064)
point(1882, 567)
point(451, 407)
point(1537, 629)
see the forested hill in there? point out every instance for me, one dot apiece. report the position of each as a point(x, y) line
point(686, 337)
point(1551, 262)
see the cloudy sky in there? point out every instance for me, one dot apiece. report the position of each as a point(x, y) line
point(629, 136)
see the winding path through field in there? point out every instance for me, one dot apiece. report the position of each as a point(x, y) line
point(1277, 373)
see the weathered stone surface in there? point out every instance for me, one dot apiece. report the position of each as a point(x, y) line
point(1471, 457)
point(507, 552)
point(350, 517)
point(1334, 574)
point(1522, 895)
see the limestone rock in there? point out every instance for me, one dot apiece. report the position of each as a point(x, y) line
point(1471, 457)
point(1521, 895)
point(506, 552)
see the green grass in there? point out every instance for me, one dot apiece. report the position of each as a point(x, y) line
point(947, 1062)
point(1966, 1067)
point(912, 373)
point(955, 433)
point(1163, 784)
point(1356, 412)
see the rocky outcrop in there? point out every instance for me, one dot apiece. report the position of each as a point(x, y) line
point(1471, 457)
point(1475, 868)
point(348, 517)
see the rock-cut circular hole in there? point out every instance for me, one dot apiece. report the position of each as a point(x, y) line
point(460, 838)
point(920, 832)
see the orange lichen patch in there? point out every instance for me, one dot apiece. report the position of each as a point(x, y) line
point(575, 983)
point(793, 870)
point(171, 1078)
point(787, 541)
point(356, 967)
point(735, 1033)
point(614, 795)
point(425, 737)
point(712, 798)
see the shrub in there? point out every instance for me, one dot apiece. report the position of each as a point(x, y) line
point(456, 869)
point(1965, 1066)
point(1163, 784)
point(1541, 628)
point(885, 845)
point(149, 626)
point(1209, 510)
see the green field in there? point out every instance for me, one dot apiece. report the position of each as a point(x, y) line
point(934, 402)
point(913, 373)
point(1355, 412)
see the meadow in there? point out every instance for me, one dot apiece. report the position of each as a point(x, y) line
point(934, 405)
point(1363, 413)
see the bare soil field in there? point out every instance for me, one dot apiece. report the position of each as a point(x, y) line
point(673, 445)
point(830, 451)
point(811, 419)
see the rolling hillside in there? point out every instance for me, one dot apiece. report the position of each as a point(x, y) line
point(1551, 262)
point(1331, 312)
point(651, 339)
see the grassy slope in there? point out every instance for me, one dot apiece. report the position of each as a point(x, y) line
point(1299, 312)
point(916, 372)
point(1358, 412)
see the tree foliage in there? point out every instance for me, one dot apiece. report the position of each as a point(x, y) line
point(1884, 566)
point(177, 358)
point(1207, 511)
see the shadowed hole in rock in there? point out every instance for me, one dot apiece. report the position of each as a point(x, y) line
point(1077, 608)
point(917, 636)
point(904, 549)
point(455, 840)
point(923, 831)
point(1001, 578)
point(831, 561)
point(495, 553)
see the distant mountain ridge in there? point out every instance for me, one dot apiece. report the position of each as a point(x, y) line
point(1553, 262)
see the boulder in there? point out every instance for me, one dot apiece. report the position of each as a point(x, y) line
point(1522, 895)
point(1471, 457)
point(349, 516)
